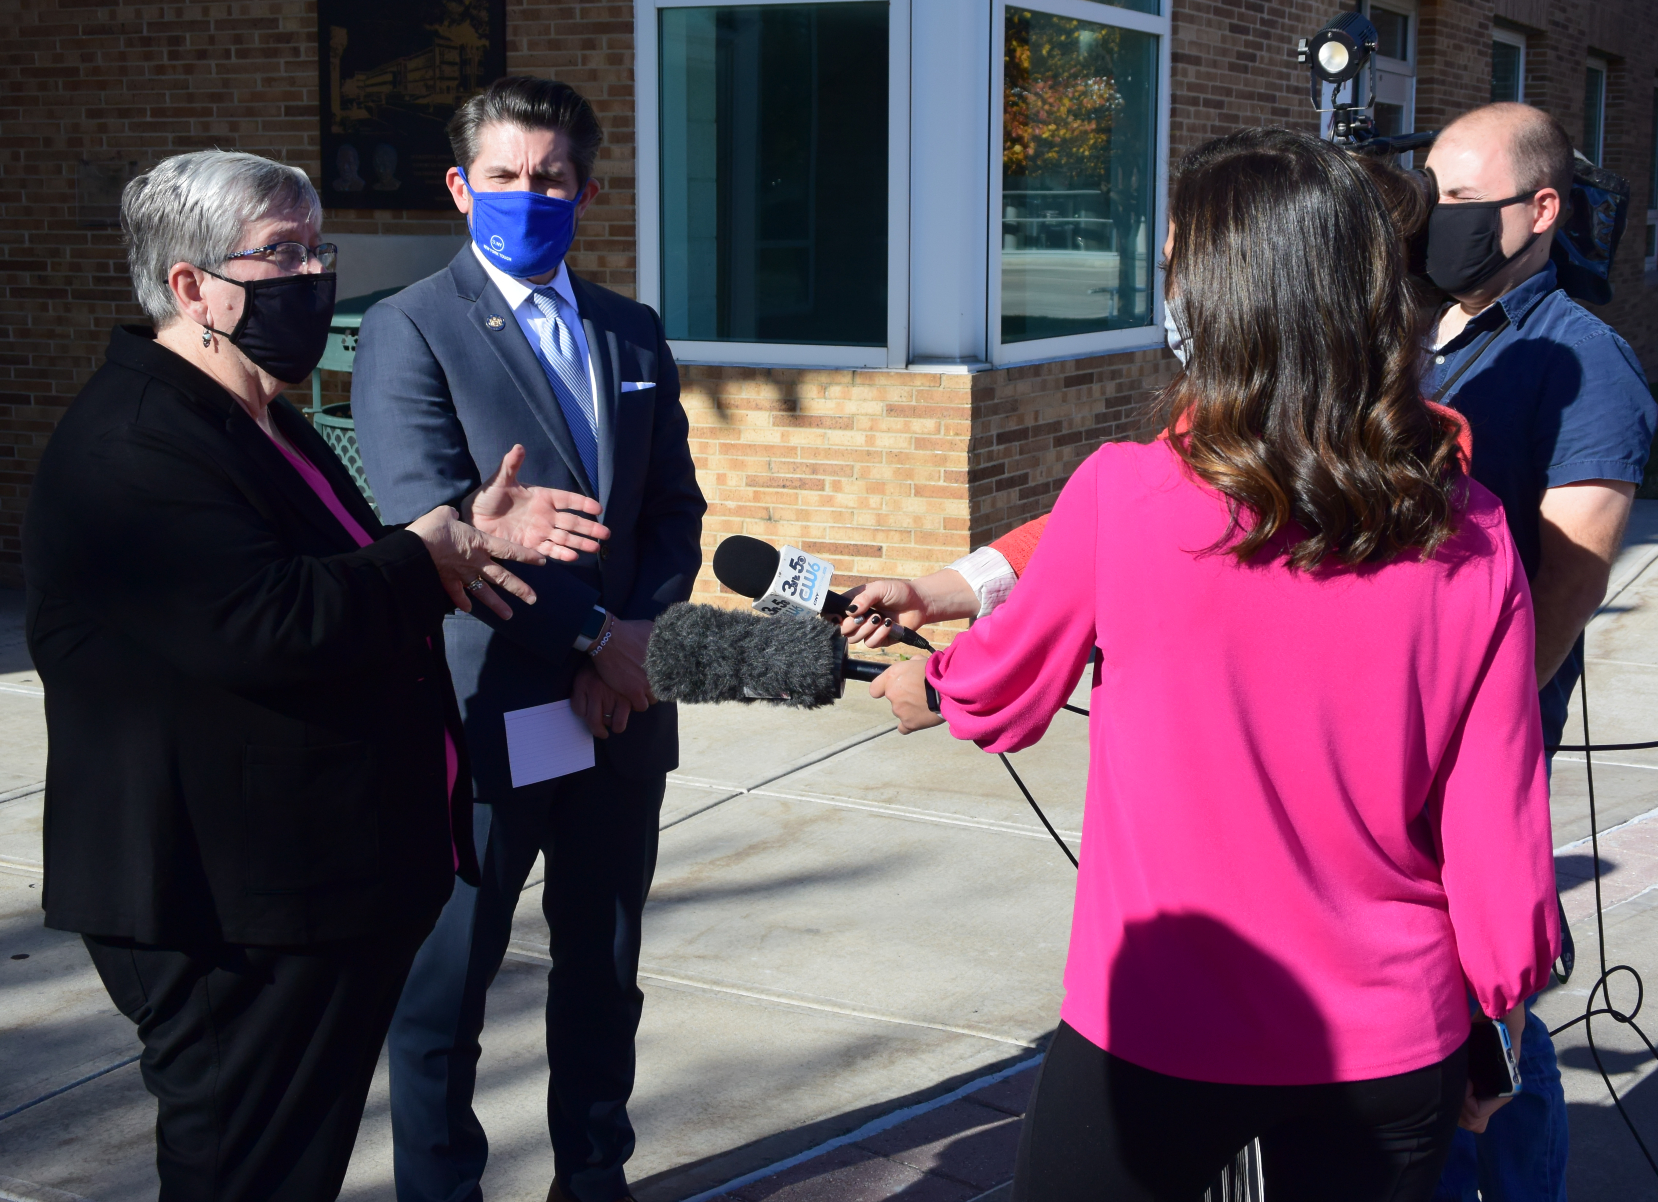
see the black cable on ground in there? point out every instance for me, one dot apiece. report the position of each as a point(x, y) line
point(1602, 986)
point(1063, 846)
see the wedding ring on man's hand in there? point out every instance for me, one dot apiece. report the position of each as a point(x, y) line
point(476, 585)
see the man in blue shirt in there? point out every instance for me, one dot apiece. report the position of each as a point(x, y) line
point(1562, 423)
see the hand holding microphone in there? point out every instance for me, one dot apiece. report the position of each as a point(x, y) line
point(796, 583)
point(942, 596)
point(904, 685)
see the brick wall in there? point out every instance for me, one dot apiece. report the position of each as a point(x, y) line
point(590, 47)
point(1632, 76)
point(1453, 60)
point(139, 82)
point(1559, 38)
point(882, 472)
point(867, 469)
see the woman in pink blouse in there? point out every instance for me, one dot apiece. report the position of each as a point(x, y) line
point(1317, 821)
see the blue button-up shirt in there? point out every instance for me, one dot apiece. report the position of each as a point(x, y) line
point(1555, 398)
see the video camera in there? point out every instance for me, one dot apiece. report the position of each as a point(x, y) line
point(1596, 211)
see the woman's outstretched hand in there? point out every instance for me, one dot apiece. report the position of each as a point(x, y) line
point(465, 556)
point(535, 517)
point(941, 597)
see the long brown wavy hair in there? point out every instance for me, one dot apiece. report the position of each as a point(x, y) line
point(1301, 399)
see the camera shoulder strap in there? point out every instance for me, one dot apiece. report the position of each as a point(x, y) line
point(1443, 389)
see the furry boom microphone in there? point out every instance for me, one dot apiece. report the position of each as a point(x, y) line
point(702, 653)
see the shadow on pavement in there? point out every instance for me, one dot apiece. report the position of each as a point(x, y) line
point(1605, 1161)
point(941, 1155)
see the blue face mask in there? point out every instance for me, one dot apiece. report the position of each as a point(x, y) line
point(525, 234)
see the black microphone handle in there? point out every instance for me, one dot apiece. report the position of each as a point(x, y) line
point(865, 670)
point(838, 604)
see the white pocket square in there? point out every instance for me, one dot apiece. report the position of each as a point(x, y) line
point(636, 385)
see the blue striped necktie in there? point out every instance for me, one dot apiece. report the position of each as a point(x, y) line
point(562, 362)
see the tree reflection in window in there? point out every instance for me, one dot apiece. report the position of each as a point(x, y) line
point(1079, 123)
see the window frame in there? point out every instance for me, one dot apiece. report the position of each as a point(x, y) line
point(1394, 69)
point(1513, 37)
point(648, 201)
point(1100, 342)
point(1596, 63)
point(1652, 189)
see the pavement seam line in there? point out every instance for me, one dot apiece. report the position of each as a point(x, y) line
point(26, 867)
point(1631, 898)
point(14, 1190)
point(24, 791)
point(889, 810)
point(22, 690)
point(1629, 580)
point(873, 1127)
point(1584, 842)
point(533, 953)
point(702, 809)
point(806, 761)
point(1577, 759)
point(63, 1089)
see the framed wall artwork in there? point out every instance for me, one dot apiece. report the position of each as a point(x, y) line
point(391, 77)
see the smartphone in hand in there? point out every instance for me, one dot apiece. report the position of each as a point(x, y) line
point(1493, 1068)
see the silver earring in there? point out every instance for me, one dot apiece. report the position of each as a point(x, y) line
point(206, 337)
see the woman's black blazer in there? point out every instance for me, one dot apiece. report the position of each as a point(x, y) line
point(245, 711)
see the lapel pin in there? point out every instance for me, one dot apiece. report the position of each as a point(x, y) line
point(495, 321)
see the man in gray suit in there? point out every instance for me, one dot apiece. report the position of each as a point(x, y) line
point(506, 348)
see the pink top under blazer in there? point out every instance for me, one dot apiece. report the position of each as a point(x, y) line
point(1317, 815)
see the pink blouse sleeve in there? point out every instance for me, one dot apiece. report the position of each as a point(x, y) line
point(1001, 683)
point(1491, 810)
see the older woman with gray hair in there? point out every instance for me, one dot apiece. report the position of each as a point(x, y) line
point(257, 795)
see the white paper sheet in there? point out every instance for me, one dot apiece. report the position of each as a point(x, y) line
point(545, 741)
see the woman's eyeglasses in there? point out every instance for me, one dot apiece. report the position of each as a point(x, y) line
point(292, 257)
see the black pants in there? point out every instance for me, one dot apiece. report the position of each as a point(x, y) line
point(1101, 1128)
point(598, 831)
point(260, 1058)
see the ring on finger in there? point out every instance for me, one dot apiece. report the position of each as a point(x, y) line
point(477, 584)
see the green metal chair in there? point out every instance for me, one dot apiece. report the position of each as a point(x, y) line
point(334, 422)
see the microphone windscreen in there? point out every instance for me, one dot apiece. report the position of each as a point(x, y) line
point(704, 653)
point(745, 565)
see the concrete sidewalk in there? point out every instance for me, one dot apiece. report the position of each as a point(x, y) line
point(846, 928)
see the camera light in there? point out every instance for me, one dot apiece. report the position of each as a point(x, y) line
point(1333, 58)
point(1337, 52)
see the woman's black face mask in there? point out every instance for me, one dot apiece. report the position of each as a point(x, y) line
point(1465, 242)
point(284, 323)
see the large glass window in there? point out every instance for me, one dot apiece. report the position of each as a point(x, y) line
point(1079, 187)
point(773, 142)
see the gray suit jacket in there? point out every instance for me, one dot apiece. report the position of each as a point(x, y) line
point(443, 385)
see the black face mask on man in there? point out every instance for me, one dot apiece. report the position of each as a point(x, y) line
point(284, 322)
point(1465, 242)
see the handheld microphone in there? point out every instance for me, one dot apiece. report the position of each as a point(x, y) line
point(703, 653)
point(791, 581)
